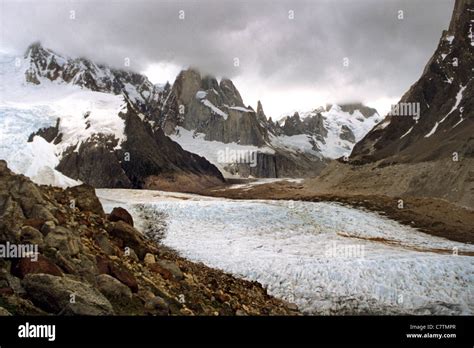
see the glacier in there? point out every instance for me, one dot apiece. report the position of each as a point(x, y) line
point(327, 258)
point(25, 108)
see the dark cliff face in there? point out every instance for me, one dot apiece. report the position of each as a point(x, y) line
point(310, 125)
point(444, 97)
point(214, 109)
point(146, 153)
point(99, 161)
point(352, 107)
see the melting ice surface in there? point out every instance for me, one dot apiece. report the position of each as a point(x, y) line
point(326, 258)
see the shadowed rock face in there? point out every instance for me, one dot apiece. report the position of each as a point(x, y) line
point(351, 108)
point(215, 109)
point(311, 125)
point(145, 153)
point(445, 96)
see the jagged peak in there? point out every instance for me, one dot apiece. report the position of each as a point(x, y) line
point(260, 112)
point(34, 46)
point(37, 51)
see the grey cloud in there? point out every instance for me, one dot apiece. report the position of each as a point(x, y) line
point(385, 53)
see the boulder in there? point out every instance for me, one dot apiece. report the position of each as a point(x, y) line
point(157, 306)
point(149, 259)
point(102, 240)
point(54, 294)
point(30, 235)
point(115, 291)
point(120, 214)
point(85, 199)
point(128, 237)
point(25, 266)
point(125, 276)
point(168, 269)
point(64, 240)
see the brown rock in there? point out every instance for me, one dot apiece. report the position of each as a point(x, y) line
point(35, 223)
point(85, 199)
point(6, 291)
point(155, 267)
point(120, 214)
point(172, 268)
point(221, 297)
point(128, 237)
point(125, 276)
point(103, 264)
point(25, 266)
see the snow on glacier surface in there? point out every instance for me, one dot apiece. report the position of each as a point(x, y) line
point(326, 258)
point(25, 107)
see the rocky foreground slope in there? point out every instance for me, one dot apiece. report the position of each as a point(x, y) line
point(93, 264)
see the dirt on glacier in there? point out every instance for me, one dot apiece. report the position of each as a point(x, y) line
point(435, 216)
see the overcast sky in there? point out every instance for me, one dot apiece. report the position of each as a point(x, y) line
point(290, 54)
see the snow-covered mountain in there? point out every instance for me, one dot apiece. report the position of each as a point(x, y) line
point(209, 118)
point(106, 127)
point(42, 63)
point(331, 131)
point(95, 127)
point(435, 118)
point(425, 146)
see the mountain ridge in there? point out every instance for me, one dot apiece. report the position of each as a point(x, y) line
point(444, 95)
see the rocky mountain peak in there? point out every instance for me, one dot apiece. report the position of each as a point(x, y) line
point(201, 104)
point(261, 114)
point(434, 118)
point(187, 84)
point(231, 94)
point(42, 63)
point(366, 111)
